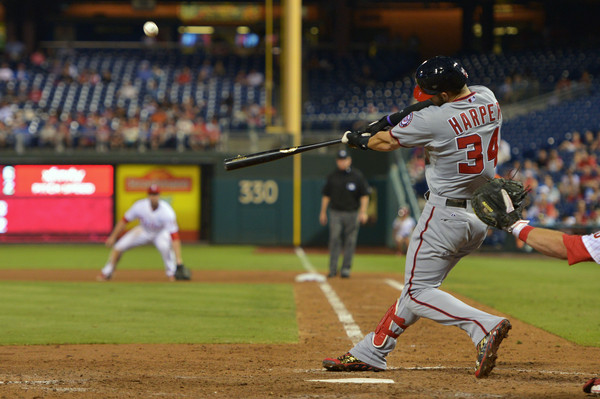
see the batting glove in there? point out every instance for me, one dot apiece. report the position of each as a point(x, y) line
point(356, 139)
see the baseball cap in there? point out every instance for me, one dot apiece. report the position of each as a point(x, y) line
point(342, 154)
point(153, 189)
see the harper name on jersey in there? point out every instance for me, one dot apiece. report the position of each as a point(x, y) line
point(474, 117)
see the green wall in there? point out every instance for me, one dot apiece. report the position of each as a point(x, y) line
point(246, 210)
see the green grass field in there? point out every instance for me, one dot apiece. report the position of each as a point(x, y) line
point(544, 292)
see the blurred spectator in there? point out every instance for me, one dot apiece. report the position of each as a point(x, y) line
point(520, 87)
point(213, 131)
point(6, 112)
point(585, 82)
point(128, 91)
point(403, 227)
point(505, 91)
point(563, 85)
point(504, 152)
point(144, 71)
point(206, 71)
point(555, 162)
point(184, 76)
point(6, 136)
point(21, 73)
point(38, 60)
point(15, 50)
point(49, 132)
point(255, 78)
point(219, 69)
point(6, 73)
point(542, 159)
point(549, 189)
point(582, 214)
point(106, 76)
point(543, 211)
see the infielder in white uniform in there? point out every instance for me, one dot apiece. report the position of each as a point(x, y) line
point(158, 226)
point(461, 132)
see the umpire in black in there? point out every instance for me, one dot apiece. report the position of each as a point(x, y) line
point(346, 194)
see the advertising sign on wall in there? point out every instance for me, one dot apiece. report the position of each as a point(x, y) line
point(179, 185)
point(56, 200)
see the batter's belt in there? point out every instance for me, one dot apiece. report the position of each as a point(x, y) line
point(443, 201)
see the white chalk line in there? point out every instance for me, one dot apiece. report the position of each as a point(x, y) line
point(46, 384)
point(357, 381)
point(448, 368)
point(394, 284)
point(352, 329)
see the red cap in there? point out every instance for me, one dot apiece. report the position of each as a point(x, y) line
point(153, 189)
point(420, 95)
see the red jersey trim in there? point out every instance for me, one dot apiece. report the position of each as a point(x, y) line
point(395, 138)
point(576, 250)
point(175, 236)
point(465, 97)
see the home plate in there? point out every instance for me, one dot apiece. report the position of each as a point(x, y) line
point(358, 381)
point(304, 277)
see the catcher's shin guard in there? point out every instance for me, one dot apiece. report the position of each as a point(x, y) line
point(384, 328)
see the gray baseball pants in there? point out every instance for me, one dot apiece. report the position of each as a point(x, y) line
point(441, 238)
point(343, 233)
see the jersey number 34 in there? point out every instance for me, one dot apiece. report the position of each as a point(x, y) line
point(473, 144)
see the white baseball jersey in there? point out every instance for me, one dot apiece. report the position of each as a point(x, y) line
point(153, 220)
point(462, 139)
point(157, 227)
point(592, 244)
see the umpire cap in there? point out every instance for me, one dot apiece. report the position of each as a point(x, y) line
point(342, 154)
point(439, 74)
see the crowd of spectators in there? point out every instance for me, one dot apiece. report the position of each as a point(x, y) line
point(27, 121)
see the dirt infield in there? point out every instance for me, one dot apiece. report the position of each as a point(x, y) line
point(431, 361)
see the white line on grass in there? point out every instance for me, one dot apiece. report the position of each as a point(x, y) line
point(352, 329)
point(394, 284)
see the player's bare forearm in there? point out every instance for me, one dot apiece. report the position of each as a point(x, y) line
point(119, 228)
point(363, 217)
point(548, 242)
point(383, 141)
point(177, 249)
point(323, 214)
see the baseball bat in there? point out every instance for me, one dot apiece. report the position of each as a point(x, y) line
point(241, 161)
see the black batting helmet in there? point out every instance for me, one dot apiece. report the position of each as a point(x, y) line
point(439, 74)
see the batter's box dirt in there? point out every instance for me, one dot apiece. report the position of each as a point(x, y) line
point(430, 361)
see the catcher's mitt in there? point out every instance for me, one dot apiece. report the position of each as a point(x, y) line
point(499, 202)
point(183, 273)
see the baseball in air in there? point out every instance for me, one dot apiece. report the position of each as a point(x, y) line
point(150, 29)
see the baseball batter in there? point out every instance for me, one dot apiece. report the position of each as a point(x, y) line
point(158, 226)
point(461, 132)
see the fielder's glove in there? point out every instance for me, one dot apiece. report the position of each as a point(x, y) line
point(499, 202)
point(357, 139)
point(183, 273)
